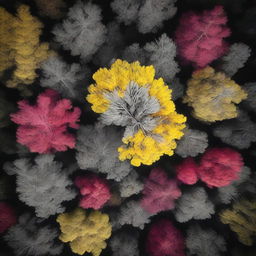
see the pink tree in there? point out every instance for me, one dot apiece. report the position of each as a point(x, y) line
point(220, 166)
point(7, 217)
point(159, 192)
point(164, 240)
point(94, 190)
point(187, 171)
point(43, 126)
point(199, 37)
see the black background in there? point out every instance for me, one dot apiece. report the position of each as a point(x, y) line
point(237, 11)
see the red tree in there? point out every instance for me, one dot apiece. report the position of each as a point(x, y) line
point(187, 171)
point(164, 240)
point(199, 37)
point(7, 217)
point(43, 126)
point(94, 190)
point(220, 166)
point(159, 192)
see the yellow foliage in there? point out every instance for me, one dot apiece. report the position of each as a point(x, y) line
point(118, 77)
point(29, 53)
point(242, 220)
point(85, 232)
point(213, 95)
point(141, 148)
point(147, 149)
point(6, 39)
point(20, 47)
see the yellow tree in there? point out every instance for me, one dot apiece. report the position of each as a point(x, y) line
point(85, 232)
point(6, 39)
point(130, 96)
point(242, 220)
point(213, 96)
point(28, 51)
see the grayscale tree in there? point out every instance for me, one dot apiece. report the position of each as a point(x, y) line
point(82, 32)
point(43, 185)
point(134, 53)
point(112, 48)
point(161, 54)
point(231, 192)
point(149, 14)
point(126, 10)
point(194, 204)
point(133, 111)
point(236, 58)
point(239, 132)
point(130, 185)
point(29, 238)
point(131, 213)
point(97, 151)
point(62, 77)
point(204, 242)
point(192, 143)
point(250, 101)
point(125, 244)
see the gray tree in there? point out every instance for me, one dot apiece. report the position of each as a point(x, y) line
point(126, 10)
point(194, 204)
point(112, 48)
point(97, 151)
point(134, 53)
point(125, 244)
point(235, 59)
point(204, 242)
point(133, 111)
point(161, 54)
point(28, 238)
point(43, 185)
point(130, 185)
point(239, 132)
point(149, 14)
point(192, 143)
point(62, 77)
point(132, 213)
point(250, 101)
point(245, 183)
point(82, 32)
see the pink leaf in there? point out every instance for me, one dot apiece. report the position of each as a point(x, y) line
point(159, 192)
point(220, 166)
point(199, 37)
point(94, 190)
point(43, 126)
point(165, 240)
point(187, 171)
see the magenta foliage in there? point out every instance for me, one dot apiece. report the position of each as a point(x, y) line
point(165, 240)
point(199, 37)
point(43, 126)
point(187, 171)
point(94, 190)
point(159, 192)
point(220, 166)
point(7, 217)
